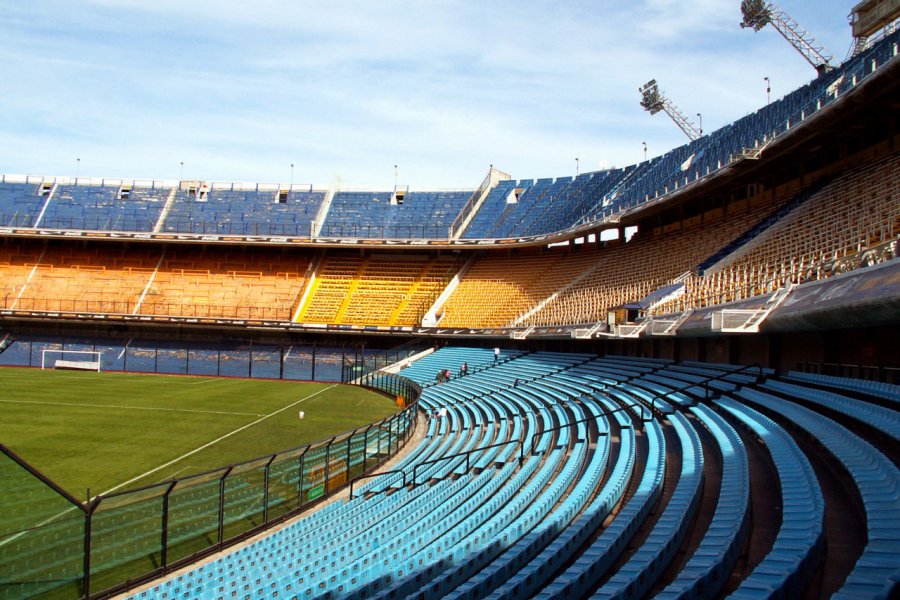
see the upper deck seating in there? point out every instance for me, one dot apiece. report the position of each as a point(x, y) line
point(102, 208)
point(853, 212)
point(256, 211)
point(20, 203)
point(375, 215)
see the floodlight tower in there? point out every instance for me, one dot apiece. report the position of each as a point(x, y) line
point(654, 100)
point(759, 13)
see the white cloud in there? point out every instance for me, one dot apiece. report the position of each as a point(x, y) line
point(240, 90)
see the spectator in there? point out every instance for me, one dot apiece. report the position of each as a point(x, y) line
point(496, 354)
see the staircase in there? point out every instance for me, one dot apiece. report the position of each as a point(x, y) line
point(170, 201)
point(748, 236)
point(588, 333)
point(468, 212)
point(669, 326)
point(345, 303)
point(748, 321)
point(632, 331)
point(49, 198)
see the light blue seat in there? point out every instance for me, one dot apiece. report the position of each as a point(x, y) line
point(878, 482)
point(883, 419)
point(522, 581)
point(708, 568)
point(642, 569)
point(787, 567)
point(885, 391)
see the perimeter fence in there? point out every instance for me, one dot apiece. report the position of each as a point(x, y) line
point(54, 546)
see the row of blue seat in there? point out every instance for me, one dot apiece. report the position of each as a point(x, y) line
point(885, 391)
point(635, 577)
point(799, 544)
point(877, 570)
point(491, 525)
point(709, 567)
point(461, 415)
point(882, 419)
point(596, 560)
point(372, 214)
point(532, 551)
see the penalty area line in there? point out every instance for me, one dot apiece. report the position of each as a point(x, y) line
point(151, 408)
point(215, 441)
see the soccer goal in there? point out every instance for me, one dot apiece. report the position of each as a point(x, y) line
point(71, 359)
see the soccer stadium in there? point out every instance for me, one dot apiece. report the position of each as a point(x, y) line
point(677, 378)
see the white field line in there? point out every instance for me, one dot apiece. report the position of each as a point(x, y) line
point(151, 471)
point(181, 470)
point(203, 381)
point(159, 408)
point(215, 441)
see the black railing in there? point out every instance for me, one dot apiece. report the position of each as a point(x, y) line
point(537, 435)
point(378, 474)
point(760, 378)
point(113, 304)
point(466, 454)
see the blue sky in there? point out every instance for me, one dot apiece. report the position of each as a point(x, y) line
point(345, 90)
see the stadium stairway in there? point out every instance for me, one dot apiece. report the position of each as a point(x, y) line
point(760, 227)
point(568, 475)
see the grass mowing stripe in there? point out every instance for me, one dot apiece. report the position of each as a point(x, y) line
point(217, 440)
point(184, 410)
point(97, 447)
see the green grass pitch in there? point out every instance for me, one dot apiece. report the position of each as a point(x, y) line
point(103, 430)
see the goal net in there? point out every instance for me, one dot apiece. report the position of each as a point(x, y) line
point(84, 360)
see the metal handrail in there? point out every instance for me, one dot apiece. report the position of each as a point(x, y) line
point(370, 475)
point(466, 454)
point(760, 377)
point(560, 427)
